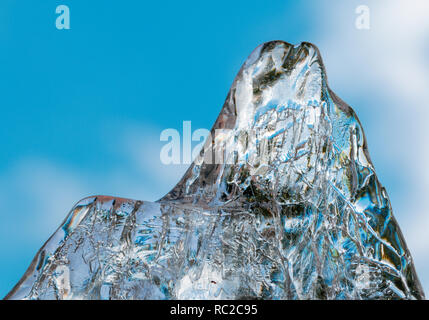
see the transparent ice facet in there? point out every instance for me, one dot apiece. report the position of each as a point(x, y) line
point(294, 212)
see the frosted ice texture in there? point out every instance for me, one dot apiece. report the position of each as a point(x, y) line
point(295, 212)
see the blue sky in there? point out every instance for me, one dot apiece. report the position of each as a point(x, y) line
point(82, 109)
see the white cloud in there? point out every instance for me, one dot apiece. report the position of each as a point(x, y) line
point(142, 145)
point(37, 193)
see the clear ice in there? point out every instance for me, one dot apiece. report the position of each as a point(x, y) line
point(294, 212)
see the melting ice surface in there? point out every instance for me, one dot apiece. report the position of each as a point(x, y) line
point(295, 212)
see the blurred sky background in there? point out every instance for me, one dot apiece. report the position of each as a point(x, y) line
point(82, 109)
